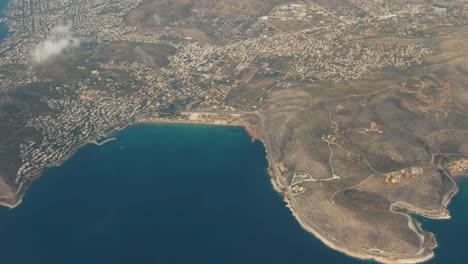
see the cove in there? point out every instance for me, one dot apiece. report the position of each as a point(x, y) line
point(160, 193)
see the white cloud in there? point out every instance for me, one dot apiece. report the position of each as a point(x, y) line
point(59, 39)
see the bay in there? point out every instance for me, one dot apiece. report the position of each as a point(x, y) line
point(160, 194)
point(172, 193)
point(176, 194)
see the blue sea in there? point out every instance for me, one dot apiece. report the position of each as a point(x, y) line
point(169, 193)
point(452, 234)
point(160, 194)
point(175, 194)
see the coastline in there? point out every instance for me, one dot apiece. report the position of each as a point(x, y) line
point(277, 184)
point(427, 243)
point(350, 252)
point(412, 223)
point(17, 198)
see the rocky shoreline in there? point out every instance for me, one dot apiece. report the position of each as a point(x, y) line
point(428, 241)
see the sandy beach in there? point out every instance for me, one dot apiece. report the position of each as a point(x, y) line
point(25, 183)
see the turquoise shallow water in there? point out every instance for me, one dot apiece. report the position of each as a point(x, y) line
point(160, 194)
